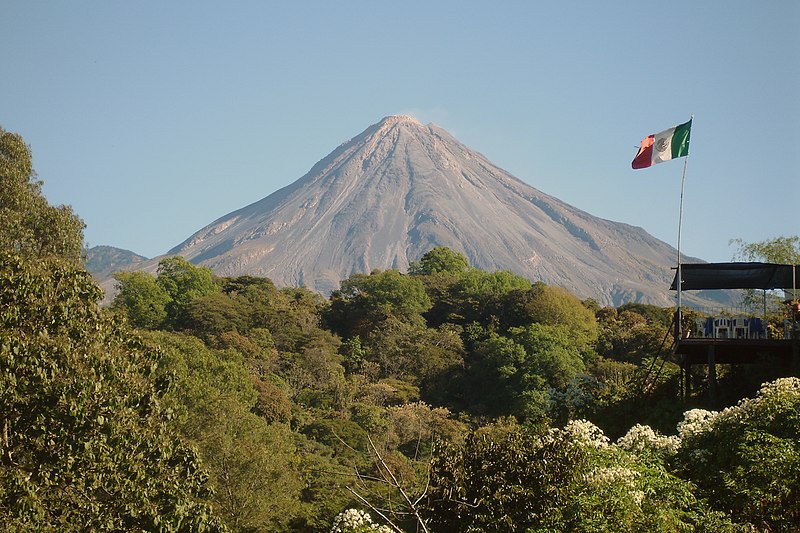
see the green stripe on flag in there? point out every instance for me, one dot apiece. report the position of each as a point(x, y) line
point(680, 140)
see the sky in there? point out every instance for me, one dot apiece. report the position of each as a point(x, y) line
point(152, 119)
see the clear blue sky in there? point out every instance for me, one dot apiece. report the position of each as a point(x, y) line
point(152, 119)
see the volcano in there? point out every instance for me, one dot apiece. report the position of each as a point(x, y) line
point(401, 188)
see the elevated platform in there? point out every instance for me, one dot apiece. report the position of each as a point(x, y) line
point(723, 340)
point(780, 353)
point(699, 351)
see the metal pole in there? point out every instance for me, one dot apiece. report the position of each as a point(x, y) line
point(680, 277)
point(794, 298)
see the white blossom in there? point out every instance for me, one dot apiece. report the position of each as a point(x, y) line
point(587, 432)
point(748, 407)
point(352, 520)
point(696, 421)
point(780, 386)
point(640, 438)
point(614, 474)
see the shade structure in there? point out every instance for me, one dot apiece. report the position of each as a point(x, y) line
point(702, 276)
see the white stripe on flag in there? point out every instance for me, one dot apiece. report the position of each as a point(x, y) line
point(662, 147)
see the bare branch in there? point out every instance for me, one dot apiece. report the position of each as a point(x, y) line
point(375, 509)
point(396, 484)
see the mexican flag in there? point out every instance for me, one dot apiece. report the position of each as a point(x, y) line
point(660, 147)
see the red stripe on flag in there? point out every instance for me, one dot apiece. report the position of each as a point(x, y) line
point(645, 156)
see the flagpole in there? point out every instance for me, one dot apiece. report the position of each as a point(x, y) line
point(678, 324)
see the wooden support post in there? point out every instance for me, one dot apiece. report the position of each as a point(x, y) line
point(712, 375)
point(688, 378)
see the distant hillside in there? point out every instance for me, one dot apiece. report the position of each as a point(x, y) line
point(102, 261)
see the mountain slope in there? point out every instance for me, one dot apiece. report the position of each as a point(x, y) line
point(102, 261)
point(400, 188)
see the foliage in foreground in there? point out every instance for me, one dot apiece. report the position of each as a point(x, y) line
point(29, 226)
point(508, 477)
point(85, 442)
point(746, 458)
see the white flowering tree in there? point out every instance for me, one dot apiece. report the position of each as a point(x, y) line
point(734, 470)
point(508, 477)
point(746, 458)
point(644, 440)
point(626, 486)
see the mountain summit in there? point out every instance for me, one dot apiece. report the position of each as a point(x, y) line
point(400, 188)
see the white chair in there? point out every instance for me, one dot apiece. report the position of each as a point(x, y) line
point(699, 327)
point(722, 327)
point(740, 327)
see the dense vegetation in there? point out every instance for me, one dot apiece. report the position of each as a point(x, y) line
point(86, 442)
point(445, 399)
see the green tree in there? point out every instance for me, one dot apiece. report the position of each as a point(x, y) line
point(211, 315)
point(549, 305)
point(498, 382)
point(439, 260)
point(201, 375)
point(553, 352)
point(781, 250)
point(251, 462)
point(364, 301)
point(413, 428)
point(273, 405)
point(141, 298)
point(626, 335)
point(297, 322)
point(504, 477)
point(85, 439)
point(514, 373)
point(86, 443)
point(414, 353)
point(478, 296)
point(30, 226)
point(654, 314)
point(252, 469)
point(184, 283)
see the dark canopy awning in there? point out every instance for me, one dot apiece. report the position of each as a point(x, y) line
point(698, 276)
